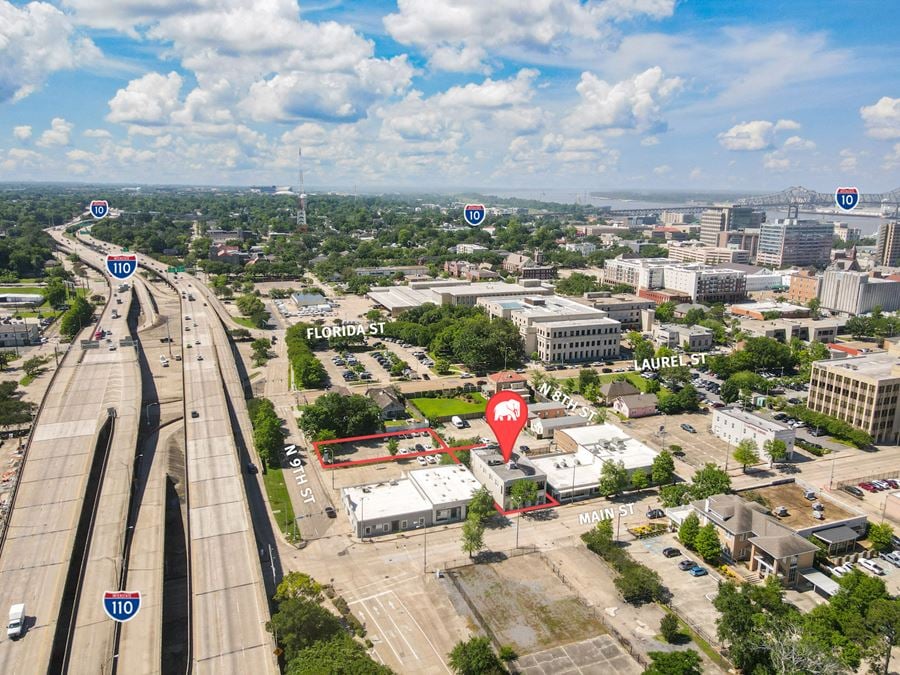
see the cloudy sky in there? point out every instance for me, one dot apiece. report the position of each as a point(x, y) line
point(695, 94)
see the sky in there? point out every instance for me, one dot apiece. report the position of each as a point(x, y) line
point(444, 94)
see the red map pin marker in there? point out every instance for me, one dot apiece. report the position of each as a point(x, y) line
point(506, 414)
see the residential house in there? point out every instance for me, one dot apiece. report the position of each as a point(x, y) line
point(636, 405)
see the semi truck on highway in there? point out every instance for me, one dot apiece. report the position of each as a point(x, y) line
point(16, 621)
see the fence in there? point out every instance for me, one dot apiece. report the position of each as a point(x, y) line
point(494, 556)
point(862, 479)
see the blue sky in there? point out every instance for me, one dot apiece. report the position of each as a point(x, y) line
point(597, 94)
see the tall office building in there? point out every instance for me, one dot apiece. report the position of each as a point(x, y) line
point(887, 249)
point(727, 219)
point(793, 242)
point(854, 293)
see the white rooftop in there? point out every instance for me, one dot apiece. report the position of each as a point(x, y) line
point(445, 484)
point(384, 500)
point(751, 419)
point(607, 442)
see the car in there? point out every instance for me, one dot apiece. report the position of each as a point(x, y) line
point(855, 491)
point(196, 342)
point(873, 567)
point(889, 557)
point(420, 447)
point(687, 427)
point(837, 571)
point(671, 552)
point(524, 448)
point(199, 357)
point(686, 564)
point(868, 487)
point(698, 571)
point(330, 512)
point(425, 376)
point(421, 460)
point(894, 484)
point(195, 414)
point(251, 468)
point(431, 459)
point(655, 513)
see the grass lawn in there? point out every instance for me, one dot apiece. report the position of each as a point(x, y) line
point(22, 290)
point(279, 500)
point(704, 646)
point(447, 407)
point(633, 377)
point(243, 321)
point(25, 381)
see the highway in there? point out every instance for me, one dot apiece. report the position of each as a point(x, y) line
point(34, 561)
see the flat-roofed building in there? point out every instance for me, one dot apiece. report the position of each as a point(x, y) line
point(499, 476)
point(691, 251)
point(783, 330)
point(767, 308)
point(622, 307)
point(733, 425)
point(398, 299)
point(724, 219)
point(21, 299)
point(887, 246)
point(546, 427)
point(793, 242)
point(557, 328)
point(422, 498)
point(705, 284)
point(635, 272)
point(804, 286)
point(693, 338)
point(19, 334)
point(863, 391)
point(855, 293)
point(584, 248)
point(392, 270)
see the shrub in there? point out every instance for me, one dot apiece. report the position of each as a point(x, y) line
point(669, 628)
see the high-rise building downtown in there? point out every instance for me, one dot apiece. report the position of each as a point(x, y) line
point(793, 242)
point(727, 219)
point(887, 248)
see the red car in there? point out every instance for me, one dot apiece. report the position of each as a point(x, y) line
point(868, 487)
point(894, 484)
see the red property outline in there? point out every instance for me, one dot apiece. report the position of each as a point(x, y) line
point(551, 503)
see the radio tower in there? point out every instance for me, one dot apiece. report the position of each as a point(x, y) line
point(301, 199)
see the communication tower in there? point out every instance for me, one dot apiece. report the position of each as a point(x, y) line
point(301, 199)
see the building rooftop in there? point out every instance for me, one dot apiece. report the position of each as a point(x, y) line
point(751, 419)
point(639, 400)
point(607, 442)
point(770, 306)
point(519, 467)
point(384, 500)
point(879, 365)
point(399, 297)
point(445, 484)
point(563, 422)
point(507, 376)
point(541, 407)
point(799, 517)
point(491, 288)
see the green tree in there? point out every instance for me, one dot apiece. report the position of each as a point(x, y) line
point(298, 585)
point(642, 348)
point(613, 478)
point(709, 481)
point(663, 469)
point(638, 584)
point(669, 628)
point(687, 531)
point(883, 620)
point(881, 536)
point(338, 655)
point(442, 366)
point(707, 543)
point(587, 378)
point(299, 623)
point(676, 494)
point(253, 308)
point(32, 367)
point(472, 536)
point(353, 415)
point(76, 317)
point(639, 479)
point(393, 445)
point(523, 493)
point(55, 292)
point(475, 657)
point(481, 505)
point(260, 349)
point(776, 449)
point(674, 663)
point(746, 453)
point(6, 358)
point(665, 312)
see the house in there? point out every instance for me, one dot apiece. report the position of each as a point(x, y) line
point(547, 410)
point(507, 379)
point(613, 390)
point(547, 426)
point(388, 401)
point(636, 405)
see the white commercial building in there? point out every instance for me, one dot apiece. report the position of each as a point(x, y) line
point(423, 498)
point(557, 328)
point(575, 472)
point(636, 272)
point(706, 284)
point(398, 299)
point(733, 425)
point(695, 338)
point(499, 476)
point(855, 293)
point(584, 248)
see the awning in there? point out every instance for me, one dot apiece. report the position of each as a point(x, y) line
point(837, 535)
point(821, 581)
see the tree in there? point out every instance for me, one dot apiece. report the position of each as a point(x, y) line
point(55, 292)
point(481, 505)
point(641, 347)
point(523, 493)
point(883, 619)
point(260, 349)
point(299, 623)
point(687, 531)
point(665, 312)
point(393, 445)
point(746, 453)
point(776, 449)
point(472, 536)
point(298, 585)
point(475, 657)
point(353, 415)
point(254, 309)
point(76, 317)
point(33, 366)
point(674, 663)
point(669, 628)
point(339, 655)
point(613, 478)
point(707, 543)
point(639, 479)
point(638, 584)
point(663, 469)
point(676, 494)
point(6, 358)
point(881, 536)
point(587, 378)
point(442, 366)
point(709, 481)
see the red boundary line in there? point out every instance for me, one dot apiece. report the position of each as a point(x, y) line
point(387, 458)
point(551, 502)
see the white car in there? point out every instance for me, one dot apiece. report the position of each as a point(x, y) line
point(422, 461)
point(873, 567)
point(431, 459)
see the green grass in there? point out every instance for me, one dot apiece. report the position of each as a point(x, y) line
point(279, 500)
point(633, 377)
point(28, 379)
point(244, 321)
point(447, 407)
point(704, 646)
point(26, 290)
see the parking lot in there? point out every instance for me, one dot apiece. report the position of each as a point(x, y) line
point(662, 431)
point(408, 443)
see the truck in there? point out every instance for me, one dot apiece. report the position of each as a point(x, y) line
point(164, 361)
point(115, 313)
point(16, 622)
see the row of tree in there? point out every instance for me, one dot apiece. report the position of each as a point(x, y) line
point(268, 434)
point(337, 416)
point(75, 318)
point(308, 371)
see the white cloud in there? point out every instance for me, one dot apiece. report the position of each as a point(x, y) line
point(798, 143)
point(635, 103)
point(755, 135)
point(696, 173)
point(662, 169)
point(36, 40)
point(882, 119)
point(22, 133)
point(57, 134)
point(776, 161)
point(97, 133)
point(892, 159)
point(456, 33)
point(148, 100)
point(849, 160)
point(649, 141)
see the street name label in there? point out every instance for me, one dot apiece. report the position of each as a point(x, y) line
point(592, 517)
point(350, 330)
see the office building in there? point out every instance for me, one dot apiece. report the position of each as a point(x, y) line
point(769, 309)
point(793, 242)
point(499, 476)
point(733, 425)
point(622, 307)
point(887, 247)
point(525, 267)
point(560, 330)
point(635, 272)
point(398, 299)
point(692, 338)
point(846, 233)
point(469, 271)
point(804, 286)
point(708, 255)
point(863, 391)
point(584, 248)
point(783, 330)
point(392, 270)
point(727, 219)
point(705, 284)
point(854, 293)
point(469, 249)
point(425, 497)
point(19, 334)
point(767, 280)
